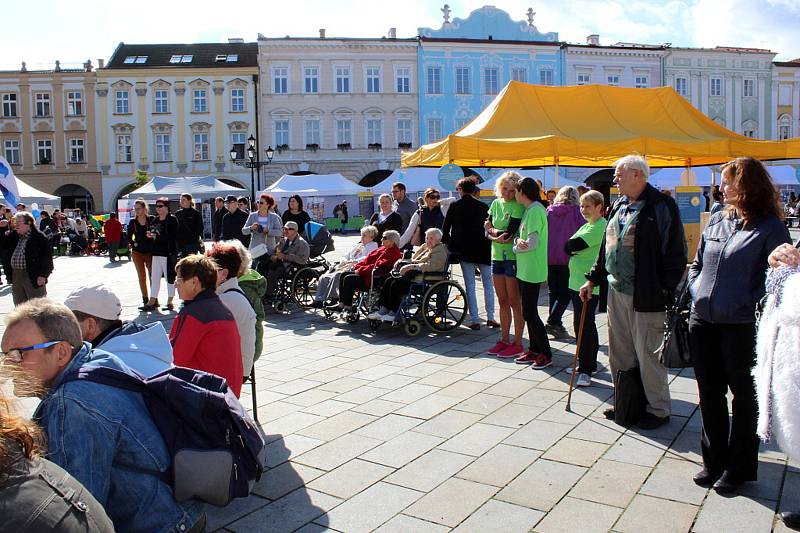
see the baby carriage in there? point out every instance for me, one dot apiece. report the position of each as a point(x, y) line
point(319, 239)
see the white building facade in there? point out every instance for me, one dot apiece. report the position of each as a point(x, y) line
point(333, 105)
point(619, 65)
point(786, 96)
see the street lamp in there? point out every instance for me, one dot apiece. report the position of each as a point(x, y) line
point(252, 162)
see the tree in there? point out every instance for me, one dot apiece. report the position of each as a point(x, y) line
point(141, 177)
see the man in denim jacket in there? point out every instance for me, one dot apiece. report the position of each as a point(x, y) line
point(103, 436)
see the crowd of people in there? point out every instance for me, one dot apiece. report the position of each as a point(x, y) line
point(571, 239)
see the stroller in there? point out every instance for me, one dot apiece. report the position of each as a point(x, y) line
point(78, 245)
point(319, 239)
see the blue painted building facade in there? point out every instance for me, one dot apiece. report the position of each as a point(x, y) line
point(465, 63)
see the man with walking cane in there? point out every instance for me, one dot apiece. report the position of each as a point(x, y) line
point(643, 254)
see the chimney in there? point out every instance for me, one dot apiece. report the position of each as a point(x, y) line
point(235, 40)
point(392, 33)
point(322, 33)
point(593, 40)
point(101, 63)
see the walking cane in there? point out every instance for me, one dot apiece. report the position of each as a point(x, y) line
point(575, 359)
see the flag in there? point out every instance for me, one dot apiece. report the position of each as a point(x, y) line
point(8, 184)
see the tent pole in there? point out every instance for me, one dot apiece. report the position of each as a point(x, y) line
point(556, 161)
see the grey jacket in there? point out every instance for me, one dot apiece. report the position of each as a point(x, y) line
point(296, 251)
point(39, 496)
point(726, 279)
point(274, 227)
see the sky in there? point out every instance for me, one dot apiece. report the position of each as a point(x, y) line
point(73, 32)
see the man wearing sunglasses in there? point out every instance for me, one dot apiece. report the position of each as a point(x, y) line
point(103, 436)
point(292, 249)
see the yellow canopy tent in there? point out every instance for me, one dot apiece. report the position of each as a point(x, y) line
point(592, 126)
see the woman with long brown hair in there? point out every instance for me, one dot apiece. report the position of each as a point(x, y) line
point(38, 495)
point(726, 282)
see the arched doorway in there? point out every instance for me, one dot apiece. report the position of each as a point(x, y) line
point(302, 173)
point(74, 196)
point(602, 181)
point(375, 177)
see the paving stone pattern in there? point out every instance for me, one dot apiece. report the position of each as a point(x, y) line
point(393, 433)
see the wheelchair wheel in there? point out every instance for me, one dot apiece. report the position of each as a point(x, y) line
point(444, 305)
point(304, 286)
point(279, 306)
point(412, 327)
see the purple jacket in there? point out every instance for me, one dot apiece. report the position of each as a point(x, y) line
point(563, 220)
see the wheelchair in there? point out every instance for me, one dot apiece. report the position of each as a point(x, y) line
point(298, 284)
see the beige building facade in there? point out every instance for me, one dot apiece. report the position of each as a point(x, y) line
point(333, 105)
point(786, 95)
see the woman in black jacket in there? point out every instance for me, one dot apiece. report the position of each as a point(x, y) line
point(385, 219)
point(295, 213)
point(31, 259)
point(190, 227)
point(726, 281)
point(163, 234)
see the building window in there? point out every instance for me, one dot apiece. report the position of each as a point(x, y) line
point(76, 151)
point(163, 147)
point(491, 83)
point(237, 100)
point(42, 104)
point(44, 152)
point(546, 77)
point(344, 131)
point(748, 87)
point(227, 58)
point(200, 146)
point(784, 127)
point(12, 152)
point(180, 58)
point(342, 80)
point(462, 80)
point(613, 80)
point(280, 80)
point(433, 80)
point(374, 131)
point(138, 60)
point(311, 79)
point(121, 99)
point(716, 87)
point(74, 103)
point(124, 149)
point(373, 79)
point(434, 129)
point(519, 74)
point(682, 86)
point(161, 100)
point(281, 133)
point(312, 131)
point(199, 101)
point(404, 131)
point(749, 133)
point(403, 80)
point(461, 122)
point(10, 105)
point(238, 140)
point(584, 79)
point(641, 82)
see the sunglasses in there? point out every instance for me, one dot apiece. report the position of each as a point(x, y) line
point(160, 205)
point(434, 197)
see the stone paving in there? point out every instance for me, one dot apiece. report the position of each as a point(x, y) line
point(392, 433)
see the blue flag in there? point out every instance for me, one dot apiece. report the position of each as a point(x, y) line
point(8, 184)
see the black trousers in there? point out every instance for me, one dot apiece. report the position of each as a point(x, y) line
point(590, 343)
point(273, 270)
point(529, 293)
point(349, 284)
point(558, 286)
point(393, 292)
point(723, 356)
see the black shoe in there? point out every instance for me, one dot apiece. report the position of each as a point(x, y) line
point(316, 304)
point(728, 483)
point(609, 414)
point(791, 520)
point(706, 478)
point(555, 331)
point(651, 421)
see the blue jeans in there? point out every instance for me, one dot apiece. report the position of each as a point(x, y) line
point(468, 271)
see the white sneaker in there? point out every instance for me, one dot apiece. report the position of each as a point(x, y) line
point(569, 371)
point(388, 317)
point(375, 315)
point(584, 380)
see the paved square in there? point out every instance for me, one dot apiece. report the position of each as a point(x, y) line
point(394, 433)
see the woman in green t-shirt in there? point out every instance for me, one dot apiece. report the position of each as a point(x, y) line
point(531, 250)
point(505, 215)
point(583, 248)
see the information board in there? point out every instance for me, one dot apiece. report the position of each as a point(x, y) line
point(690, 203)
point(448, 176)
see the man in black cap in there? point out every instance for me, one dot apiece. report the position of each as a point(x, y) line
point(233, 222)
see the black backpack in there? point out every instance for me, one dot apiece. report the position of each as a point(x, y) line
point(218, 452)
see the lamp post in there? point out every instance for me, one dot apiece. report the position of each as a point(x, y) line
point(252, 162)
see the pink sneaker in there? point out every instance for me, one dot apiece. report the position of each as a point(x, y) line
point(542, 361)
point(497, 348)
point(527, 358)
point(513, 350)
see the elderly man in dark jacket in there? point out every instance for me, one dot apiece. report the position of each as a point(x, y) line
point(216, 218)
point(31, 259)
point(643, 255)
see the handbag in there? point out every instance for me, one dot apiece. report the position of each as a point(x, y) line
point(674, 351)
point(630, 400)
point(258, 250)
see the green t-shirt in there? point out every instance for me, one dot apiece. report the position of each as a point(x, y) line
point(502, 212)
point(581, 263)
point(532, 263)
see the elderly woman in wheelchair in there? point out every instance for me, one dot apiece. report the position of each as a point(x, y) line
point(328, 283)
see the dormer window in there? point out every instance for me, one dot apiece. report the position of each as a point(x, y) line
point(138, 60)
point(229, 58)
point(178, 58)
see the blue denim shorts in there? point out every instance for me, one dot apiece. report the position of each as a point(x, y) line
point(505, 267)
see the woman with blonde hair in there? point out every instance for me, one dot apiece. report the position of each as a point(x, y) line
point(328, 283)
point(505, 216)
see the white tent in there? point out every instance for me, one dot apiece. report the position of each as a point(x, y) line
point(784, 175)
point(546, 175)
point(200, 187)
point(29, 195)
point(416, 179)
point(320, 193)
point(669, 178)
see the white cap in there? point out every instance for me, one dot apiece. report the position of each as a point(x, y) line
point(95, 300)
